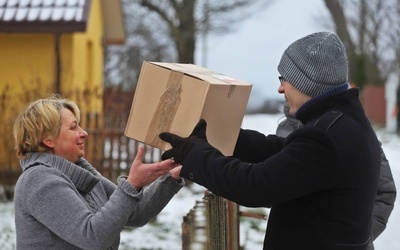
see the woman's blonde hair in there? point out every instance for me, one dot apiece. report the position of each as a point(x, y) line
point(40, 120)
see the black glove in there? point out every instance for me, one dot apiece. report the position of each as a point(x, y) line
point(182, 146)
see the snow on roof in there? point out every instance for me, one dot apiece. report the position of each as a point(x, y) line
point(43, 15)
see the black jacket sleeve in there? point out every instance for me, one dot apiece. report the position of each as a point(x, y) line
point(285, 175)
point(253, 146)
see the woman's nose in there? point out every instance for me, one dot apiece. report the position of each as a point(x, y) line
point(83, 133)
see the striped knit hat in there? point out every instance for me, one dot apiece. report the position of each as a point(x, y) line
point(315, 64)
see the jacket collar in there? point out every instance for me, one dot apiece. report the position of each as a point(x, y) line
point(82, 174)
point(317, 106)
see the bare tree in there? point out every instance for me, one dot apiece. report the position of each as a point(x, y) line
point(185, 19)
point(147, 39)
point(169, 30)
point(370, 30)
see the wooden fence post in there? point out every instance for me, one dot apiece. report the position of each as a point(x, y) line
point(220, 219)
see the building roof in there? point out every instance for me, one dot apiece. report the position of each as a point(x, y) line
point(44, 16)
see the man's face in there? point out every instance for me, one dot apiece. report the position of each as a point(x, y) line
point(294, 98)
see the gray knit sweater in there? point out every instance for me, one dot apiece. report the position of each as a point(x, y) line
point(61, 205)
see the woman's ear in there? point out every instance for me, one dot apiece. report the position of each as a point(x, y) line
point(48, 142)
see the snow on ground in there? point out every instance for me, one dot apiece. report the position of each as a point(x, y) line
point(165, 231)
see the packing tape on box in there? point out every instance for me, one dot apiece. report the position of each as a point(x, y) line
point(166, 109)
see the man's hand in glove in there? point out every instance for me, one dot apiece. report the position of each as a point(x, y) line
point(182, 146)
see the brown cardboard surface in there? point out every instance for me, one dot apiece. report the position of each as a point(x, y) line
point(173, 97)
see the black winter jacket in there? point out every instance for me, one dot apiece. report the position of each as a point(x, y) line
point(386, 191)
point(320, 182)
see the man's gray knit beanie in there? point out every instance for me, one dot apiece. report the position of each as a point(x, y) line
point(315, 63)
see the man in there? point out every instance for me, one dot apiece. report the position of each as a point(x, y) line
point(386, 192)
point(321, 180)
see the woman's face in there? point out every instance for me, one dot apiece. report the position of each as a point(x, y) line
point(69, 144)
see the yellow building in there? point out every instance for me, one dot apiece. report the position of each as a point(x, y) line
point(53, 46)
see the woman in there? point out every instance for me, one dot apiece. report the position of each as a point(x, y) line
point(61, 201)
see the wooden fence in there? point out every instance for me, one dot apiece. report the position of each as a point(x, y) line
point(213, 223)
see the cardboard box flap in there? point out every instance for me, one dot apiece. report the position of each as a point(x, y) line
point(201, 73)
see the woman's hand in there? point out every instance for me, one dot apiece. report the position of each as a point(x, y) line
point(141, 174)
point(175, 173)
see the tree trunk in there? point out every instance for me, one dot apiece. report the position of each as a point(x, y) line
point(185, 37)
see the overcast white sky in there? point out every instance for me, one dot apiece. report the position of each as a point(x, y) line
point(253, 51)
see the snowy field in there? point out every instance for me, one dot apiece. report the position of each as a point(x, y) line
point(165, 231)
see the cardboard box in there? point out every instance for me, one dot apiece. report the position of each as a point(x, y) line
point(173, 97)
